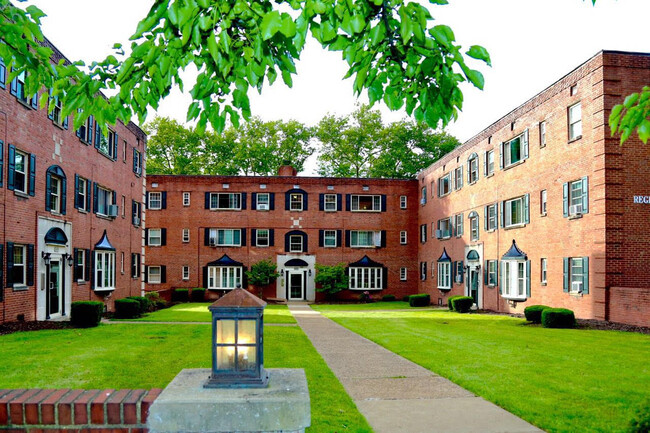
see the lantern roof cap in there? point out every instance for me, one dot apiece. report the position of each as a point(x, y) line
point(238, 298)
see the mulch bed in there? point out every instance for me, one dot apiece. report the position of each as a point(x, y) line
point(11, 327)
point(610, 326)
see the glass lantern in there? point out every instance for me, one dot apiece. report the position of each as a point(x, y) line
point(237, 349)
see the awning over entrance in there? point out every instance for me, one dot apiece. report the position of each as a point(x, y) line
point(296, 263)
point(104, 243)
point(56, 236)
point(366, 262)
point(444, 257)
point(225, 261)
point(472, 255)
point(514, 253)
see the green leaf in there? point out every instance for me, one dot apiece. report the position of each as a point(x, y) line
point(479, 53)
point(358, 23)
point(443, 35)
point(644, 131)
point(631, 100)
point(271, 24)
point(475, 77)
point(288, 26)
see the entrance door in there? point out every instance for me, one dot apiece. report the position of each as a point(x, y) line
point(296, 286)
point(473, 285)
point(54, 288)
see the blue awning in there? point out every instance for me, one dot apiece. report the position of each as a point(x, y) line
point(296, 262)
point(104, 243)
point(444, 257)
point(56, 236)
point(225, 261)
point(514, 253)
point(473, 255)
point(365, 262)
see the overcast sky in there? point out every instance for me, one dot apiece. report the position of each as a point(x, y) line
point(533, 43)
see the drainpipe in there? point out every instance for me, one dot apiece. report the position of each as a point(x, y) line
point(4, 219)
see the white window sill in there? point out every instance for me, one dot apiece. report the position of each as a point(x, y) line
point(572, 140)
point(153, 282)
point(213, 209)
point(361, 210)
point(105, 155)
point(84, 211)
point(81, 282)
point(366, 289)
point(515, 226)
point(262, 246)
point(490, 174)
point(221, 288)
point(21, 194)
point(104, 289)
point(444, 288)
point(575, 217)
point(364, 246)
point(514, 298)
point(543, 214)
point(514, 164)
point(543, 283)
point(20, 287)
point(105, 217)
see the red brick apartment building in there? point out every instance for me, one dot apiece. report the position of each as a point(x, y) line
point(67, 201)
point(544, 206)
point(206, 231)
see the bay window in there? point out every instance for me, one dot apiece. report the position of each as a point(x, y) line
point(104, 270)
point(224, 277)
point(362, 278)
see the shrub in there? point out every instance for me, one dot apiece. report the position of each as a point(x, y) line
point(388, 298)
point(127, 308)
point(463, 304)
point(450, 302)
point(145, 304)
point(558, 318)
point(86, 314)
point(533, 313)
point(421, 300)
point(156, 301)
point(181, 295)
point(198, 294)
point(406, 298)
point(331, 279)
point(641, 421)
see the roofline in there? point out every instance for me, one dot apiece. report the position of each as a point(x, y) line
point(216, 176)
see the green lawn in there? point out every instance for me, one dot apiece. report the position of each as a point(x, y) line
point(137, 356)
point(395, 305)
point(198, 312)
point(558, 379)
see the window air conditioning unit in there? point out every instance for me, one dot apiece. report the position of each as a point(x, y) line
point(423, 201)
point(576, 287)
point(136, 221)
point(262, 207)
point(438, 234)
point(575, 209)
point(459, 278)
point(213, 242)
point(113, 210)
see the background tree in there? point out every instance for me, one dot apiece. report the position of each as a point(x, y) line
point(262, 274)
point(332, 279)
point(173, 148)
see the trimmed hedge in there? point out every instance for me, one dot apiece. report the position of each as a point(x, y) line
point(558, 318)
point(406, 298)
point(181, 295)
point(641, 421)
point(127, 308)
point(463, 304)
point(86, 314)
point(533, 313)
point(198, 294)
point(421, 300)
point(388, 298)
point(145, 304)
point(450, 302)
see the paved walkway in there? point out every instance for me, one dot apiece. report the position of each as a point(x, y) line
point(396, 395)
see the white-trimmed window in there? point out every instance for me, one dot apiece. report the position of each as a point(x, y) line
point(122, 262)
point(403, 272)
point(262, 237)
point(136, 212)
point(460, 230)
point(543, 267)
point(186, 199)
point(365, 238)
point(472, 169)
point(542, 134)
point(474, 229)
point(491, 217)
point(225, 237)
point(225, 201)
point(492, 266)
point(19, 272)
point(85, 131)
point(515, 279)
point(366, 278)
point(262, 201)
point(80, 265)
point(575, 197)
point(135, 265)
point(458, 178)
point(155, 237)
point(329, 238)
point(444, 275)
point(402, 202)
point(366, 203)
point(489, 163)
point(423, 271)
point(104, 200)
point(224, 277)
point(55, 194)
point(295, 244)
point(575, 121)
point(81, 193)
point(186, 273)
point(186, 235)
point(330, 204)
point(542, 202)
point(515, 150)
point(403, 237)
point(577, 274)
point(57, 107)
point(423, 233)
point(104, 270)
point(154, 274)
point(515, 212)
point(295, 201)
point(21, 172)
point(20, 87)
point(444, 185)
point(108, 145)
point(423, 195)
point(155, 200)
point(444, 227)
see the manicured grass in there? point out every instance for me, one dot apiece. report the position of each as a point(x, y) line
point(562, 380)
point(149, 356)
point(198, 312)
point(395, 305)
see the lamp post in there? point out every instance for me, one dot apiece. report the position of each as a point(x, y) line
point(237, 342)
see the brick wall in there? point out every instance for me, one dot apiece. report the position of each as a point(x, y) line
point(629, 305)
point(78, 410)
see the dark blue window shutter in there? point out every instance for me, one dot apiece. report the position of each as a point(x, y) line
point(206, 237)
point(496, 216)
point(527, 278)
point(305, 244)
point(321, 237)
point(87, 263)
point(98, 135)
point(48, 190)
point(287, 202)
point(135, 161)
point(114, 144)
point(501, 214)
point(243, 237)
point(13, 87)
point(502, 280)
point(75, 269)
point(339, 202)
point(254, 201)
point(243, 200)
point(565, 199)
point(3, 82)
point(383, 202)
point(34, 101)
point(88, 186)
point(11, 168)
point(485, 164)
point(485, 273)
point(163, 236)
point(77, 205)
point(565, 262)
point(525, 144)
point(272, 201)
point(286, 242)
point(348, 200)
point(205, 277)
point(321, 202)
point(244, 277)
point(146, 237)
point(32, 174)
point(65, 122)
point(347, 238)
point(384, 277)
point(585, 276)
point(145, 277)
point(305, 201)
point(30, 265)
point(2, 162)
point(163, 274)
point(461, 271)
point(383, 238)
point(10, 264)
point(501, 155)
point(164, 200)
point(50, 101)
point(485, 218)
point(453, 273)
point(114, 197)
point(95, 196)
point(133, 211)
point(1, 271)
point(207, 201)
point(527, 208)
point(64, 195)
point(253, 237)
point(585, 194)
point(271, 237)
point(339, 238)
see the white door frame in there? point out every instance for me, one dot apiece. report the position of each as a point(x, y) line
point(302, 273)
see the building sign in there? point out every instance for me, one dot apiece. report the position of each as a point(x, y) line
point(643, 199)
